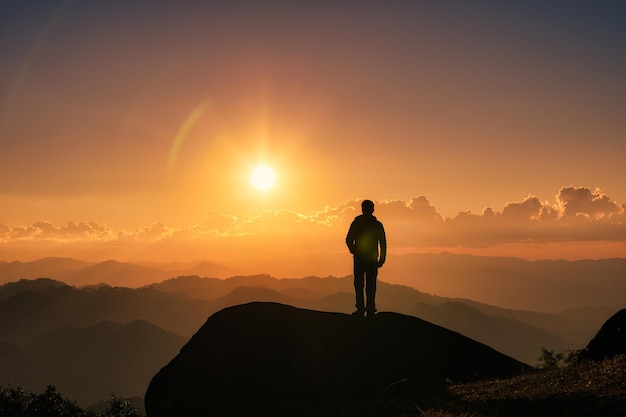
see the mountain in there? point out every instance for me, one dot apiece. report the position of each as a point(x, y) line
point(274, 359)
point(513, 283)
point(205, 288)
point(211, 288)
point(180, 305)
point(198, 267)
point(38, 316)
point(51, 267)
point(116, 274)
point(518, 339)
point(113, 273)
point(518, 333)
point(20, 367)
point(40, 284)
point(610, 341)
point(32, 313)
point(211, 269)
point(91, 363)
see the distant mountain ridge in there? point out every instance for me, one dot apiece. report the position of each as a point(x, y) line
point(111, 272)
point(545, 285)
point(512, 283)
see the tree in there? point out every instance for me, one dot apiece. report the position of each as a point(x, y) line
point(121, 408)
point(20, 402)
point(549, 359)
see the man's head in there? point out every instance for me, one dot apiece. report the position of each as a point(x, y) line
point(367, 207)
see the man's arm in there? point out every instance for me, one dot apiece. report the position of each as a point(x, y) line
point(382, 240)
point(350, 239)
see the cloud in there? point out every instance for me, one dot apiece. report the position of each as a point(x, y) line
point(576, 215)
point(47, 231)
point(216, 223)
point(342, 214)
point(72, 229)
point(528, 209)
point(5, 232)
point(582, 201)
point(423, 209)
point(417, 209)
point(156, 231)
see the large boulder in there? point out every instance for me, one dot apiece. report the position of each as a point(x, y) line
point(610, 339)
point(274, 359)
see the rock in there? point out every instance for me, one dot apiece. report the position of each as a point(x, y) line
point(610, 339)
point(274, 359)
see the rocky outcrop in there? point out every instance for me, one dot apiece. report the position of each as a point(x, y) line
point(274, 359)
point(610, 340)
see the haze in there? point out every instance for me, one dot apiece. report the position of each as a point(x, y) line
point(128, 130)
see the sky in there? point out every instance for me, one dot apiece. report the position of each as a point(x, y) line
point(128, 130)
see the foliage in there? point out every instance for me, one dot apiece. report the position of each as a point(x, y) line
point(121, 408)
point(20, 402)
point(549, 359)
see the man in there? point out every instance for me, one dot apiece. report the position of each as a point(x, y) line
point(365, 236)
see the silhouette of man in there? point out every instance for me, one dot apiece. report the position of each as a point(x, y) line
point(365, 236)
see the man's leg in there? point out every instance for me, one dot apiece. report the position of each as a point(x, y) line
point(371, 273)
point(359, 283)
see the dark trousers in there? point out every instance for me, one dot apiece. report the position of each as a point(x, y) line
point(365, 274)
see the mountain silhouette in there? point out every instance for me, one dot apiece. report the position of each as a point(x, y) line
point(275, 359)
point(27, 315)
point(116, 274)
point(91, 363)
point(10, 289)
point(514, 283)
point(610, 339)
point(512, 337)
point(37, 315)
point(517, 333)
point(111, 272)
point(180, 305)
point(50, 267)
point(19, 367)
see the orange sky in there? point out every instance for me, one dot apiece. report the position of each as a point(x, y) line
point(128, 130)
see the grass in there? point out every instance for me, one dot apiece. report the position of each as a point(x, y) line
point(582, 389)
point(585, 388)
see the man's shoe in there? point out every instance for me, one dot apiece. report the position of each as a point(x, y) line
point(359, 313)
point(371, 314)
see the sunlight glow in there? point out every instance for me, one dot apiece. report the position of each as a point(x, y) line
point(263, 177)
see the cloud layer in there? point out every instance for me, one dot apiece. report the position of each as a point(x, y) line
point(579, 215)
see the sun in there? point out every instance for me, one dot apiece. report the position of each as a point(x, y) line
point(263, 177)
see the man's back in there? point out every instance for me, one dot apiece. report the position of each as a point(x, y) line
point(365, 235)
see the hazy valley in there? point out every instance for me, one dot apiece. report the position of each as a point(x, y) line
point(92, 339)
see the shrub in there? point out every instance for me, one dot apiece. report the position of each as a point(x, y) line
point(121, 408)
point(20, 402)
point(549, 359)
